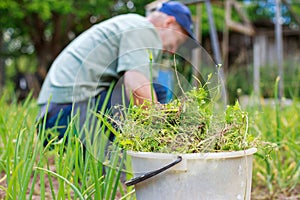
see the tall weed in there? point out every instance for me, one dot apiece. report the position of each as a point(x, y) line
point(65, 169)
point(280, 170)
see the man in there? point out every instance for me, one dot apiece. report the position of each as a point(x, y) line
point(124, 49)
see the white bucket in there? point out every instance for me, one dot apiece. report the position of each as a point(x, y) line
point(215, 176)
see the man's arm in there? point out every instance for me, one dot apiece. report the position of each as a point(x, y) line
point(137, 85)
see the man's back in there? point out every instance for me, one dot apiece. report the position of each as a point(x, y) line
point(98, 56)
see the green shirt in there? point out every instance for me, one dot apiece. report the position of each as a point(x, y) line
point(100, 55)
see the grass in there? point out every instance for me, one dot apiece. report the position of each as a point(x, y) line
point(67, 170)
point(29, 170)
point(279, 172)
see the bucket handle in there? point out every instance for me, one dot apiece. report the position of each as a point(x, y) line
point(148, 175)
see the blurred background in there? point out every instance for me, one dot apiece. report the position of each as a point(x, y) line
point(255, 41)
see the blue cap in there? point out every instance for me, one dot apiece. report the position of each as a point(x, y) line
point(181, 13)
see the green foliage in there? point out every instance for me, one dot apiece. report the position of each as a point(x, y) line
point(265, 10)
point(70, 170)
point(185, 125)
point(279, 171)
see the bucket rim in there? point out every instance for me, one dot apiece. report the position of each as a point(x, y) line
point(204, 156)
